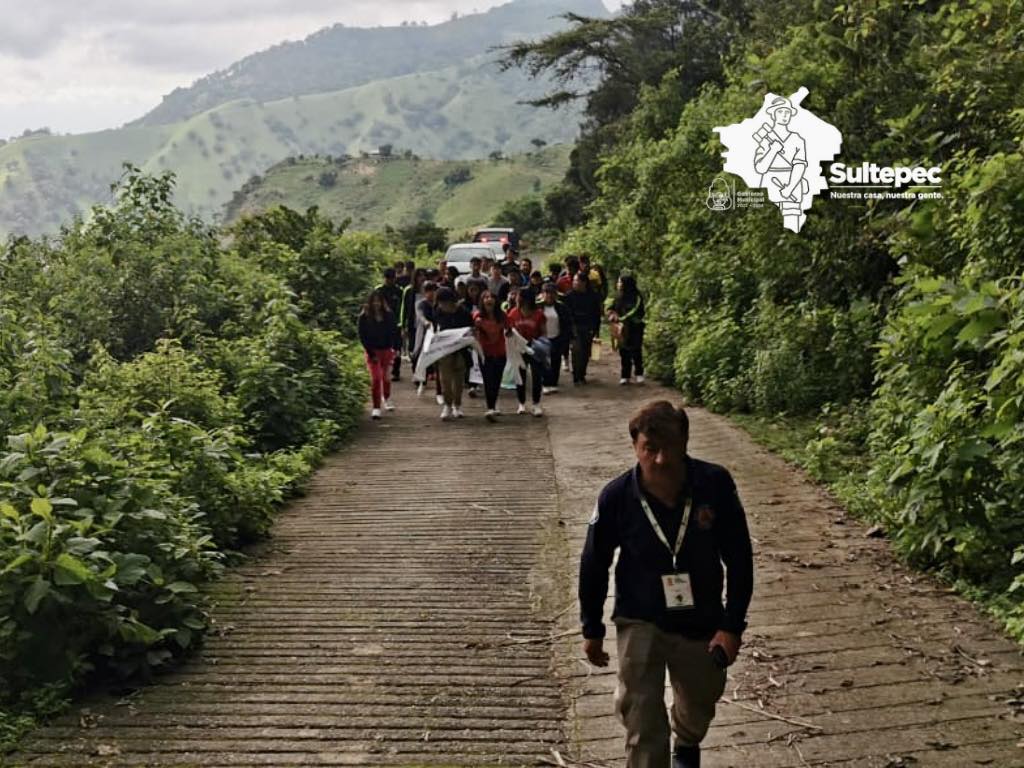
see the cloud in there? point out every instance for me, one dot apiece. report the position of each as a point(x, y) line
point(99, 63)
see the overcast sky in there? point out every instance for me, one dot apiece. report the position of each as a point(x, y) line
point(84, 65)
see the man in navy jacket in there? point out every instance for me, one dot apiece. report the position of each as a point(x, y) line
point(675, 521)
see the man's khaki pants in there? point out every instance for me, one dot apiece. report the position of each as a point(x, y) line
point(452, 370)
point(644, 652)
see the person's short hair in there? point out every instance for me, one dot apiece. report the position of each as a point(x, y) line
point(526, 294)
point(446, 294)
point(389, 273)
point(505, 247)
point(662, 420)
point(430, 285)
point(410, 266)
point(549, 287)
point(475, 259)
point(537, 273)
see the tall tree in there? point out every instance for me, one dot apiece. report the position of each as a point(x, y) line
point(606, 62)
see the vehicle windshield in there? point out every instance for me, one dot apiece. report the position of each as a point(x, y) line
point(463, 255)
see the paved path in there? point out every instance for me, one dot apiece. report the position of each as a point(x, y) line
point(407, 624)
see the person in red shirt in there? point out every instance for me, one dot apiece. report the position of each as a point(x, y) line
point(529, 320)
point(491, 323)
point(564, 282)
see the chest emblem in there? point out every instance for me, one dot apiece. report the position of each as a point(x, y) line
point(705, 517)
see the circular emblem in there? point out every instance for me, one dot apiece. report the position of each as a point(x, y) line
point(705, 517)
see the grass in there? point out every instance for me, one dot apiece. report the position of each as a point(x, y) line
point(464, 111)
point(830, 448)
point(377, 191)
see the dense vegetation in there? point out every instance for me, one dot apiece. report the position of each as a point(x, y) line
point(377, 192)
point(457, 107)
point(896, 325)
point(160, 395)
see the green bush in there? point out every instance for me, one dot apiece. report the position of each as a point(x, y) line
point(100, 564)
point(948, 437)
point(160, 396)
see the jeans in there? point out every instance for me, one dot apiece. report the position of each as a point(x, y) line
point(630, 358)
point(536, 382)
point(551, 374)
point(581, 344)
point(492, 369)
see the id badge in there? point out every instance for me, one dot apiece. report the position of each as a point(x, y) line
point(677, 590)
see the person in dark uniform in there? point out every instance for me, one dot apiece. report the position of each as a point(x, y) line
point(392, 293)
point(675, 520)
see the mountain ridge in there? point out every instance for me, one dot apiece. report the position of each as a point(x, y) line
point(339, 57)
point(464, 110)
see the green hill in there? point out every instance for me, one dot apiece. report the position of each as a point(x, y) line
point(465, 110)
point(377, 191)
point(340, 57)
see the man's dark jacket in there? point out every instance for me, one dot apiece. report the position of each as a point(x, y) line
point(715, 534)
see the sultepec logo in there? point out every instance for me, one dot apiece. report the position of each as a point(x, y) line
point(780, 150)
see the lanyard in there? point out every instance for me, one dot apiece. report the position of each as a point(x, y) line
point(661, 534)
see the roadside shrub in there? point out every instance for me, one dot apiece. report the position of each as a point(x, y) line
point(949, 469)
point(100, 564)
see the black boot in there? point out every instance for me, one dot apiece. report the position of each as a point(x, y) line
point(686, 757)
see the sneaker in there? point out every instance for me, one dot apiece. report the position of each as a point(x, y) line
point(440, 399)
point(396, 377)
point(497, 411)
point(389, 405)
point(521, 409)
point(375, 413)
point(639, 379)
point(490, 415)
point(623, 381)
point(419, 389)
point(538, 411)
point(472, 392)
point(446, 413)
point(552, 390)
point(457, 412)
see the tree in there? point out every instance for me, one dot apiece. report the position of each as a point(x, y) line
point(423, 233)
point(628, 51)
point(385, 150)
point(458, 176)
point(538, 143)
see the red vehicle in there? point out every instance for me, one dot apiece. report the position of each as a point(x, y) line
point(497, 234)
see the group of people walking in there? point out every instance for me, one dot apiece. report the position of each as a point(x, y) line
point(525, 327)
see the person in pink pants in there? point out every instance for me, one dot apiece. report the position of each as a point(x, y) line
point(378, 332)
